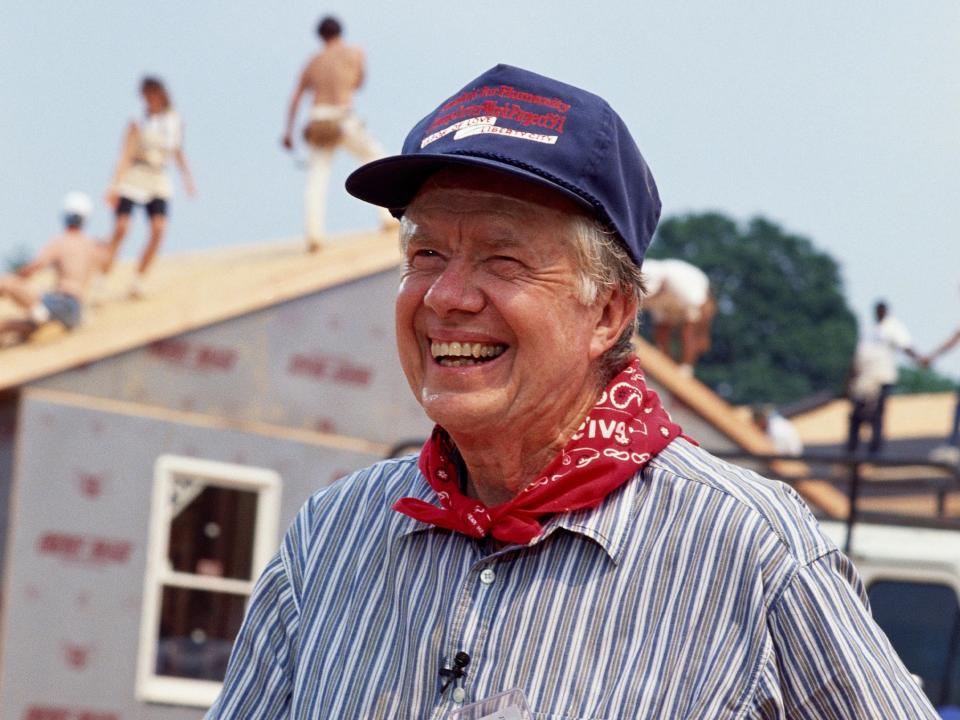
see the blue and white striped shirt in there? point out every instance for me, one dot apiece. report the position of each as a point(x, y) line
point(697, 590)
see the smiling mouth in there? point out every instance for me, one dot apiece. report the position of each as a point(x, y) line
point(457, 354)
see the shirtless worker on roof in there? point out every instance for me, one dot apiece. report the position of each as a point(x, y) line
point(75, 257)
point(679, 299)
point(333, 75)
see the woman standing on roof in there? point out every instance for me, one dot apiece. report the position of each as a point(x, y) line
point(141, 176)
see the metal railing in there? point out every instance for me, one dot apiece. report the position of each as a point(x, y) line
point(869, 477)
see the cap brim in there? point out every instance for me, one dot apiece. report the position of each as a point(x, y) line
point(392, 182)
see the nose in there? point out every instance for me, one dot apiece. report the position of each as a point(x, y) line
point(455, 289)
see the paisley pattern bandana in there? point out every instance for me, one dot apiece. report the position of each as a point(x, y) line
point(623, 431)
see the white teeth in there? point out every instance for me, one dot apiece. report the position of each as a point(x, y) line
point(466, 350)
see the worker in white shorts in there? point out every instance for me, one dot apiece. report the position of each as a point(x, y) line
point(141, 176)
point(333, 76)
point(679, 299)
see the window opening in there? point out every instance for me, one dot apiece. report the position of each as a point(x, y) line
point(213, 529)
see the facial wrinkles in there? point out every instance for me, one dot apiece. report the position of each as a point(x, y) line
point(505, 211)
point(586, 290)
point(494, 241)
point(470, 230)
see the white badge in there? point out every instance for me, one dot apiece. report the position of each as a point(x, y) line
point(510, 705)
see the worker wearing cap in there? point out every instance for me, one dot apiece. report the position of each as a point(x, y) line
point(558, 548)
point(75, 259)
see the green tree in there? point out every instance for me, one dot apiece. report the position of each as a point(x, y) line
point(783, 329)
point(913, 379)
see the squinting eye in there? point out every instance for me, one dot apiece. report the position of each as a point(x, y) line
point(505, 263)
point(425, 258)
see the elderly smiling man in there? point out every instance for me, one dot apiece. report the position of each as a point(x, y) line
point(559, 549)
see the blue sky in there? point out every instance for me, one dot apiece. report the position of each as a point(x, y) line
point(841, 121)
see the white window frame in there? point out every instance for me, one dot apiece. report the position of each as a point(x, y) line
point(151, 687)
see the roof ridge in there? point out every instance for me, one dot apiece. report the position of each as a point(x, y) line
point(233, 284)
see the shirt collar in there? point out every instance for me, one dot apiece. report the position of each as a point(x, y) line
point(607, 524)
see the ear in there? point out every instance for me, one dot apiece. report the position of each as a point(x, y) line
point(616, 312)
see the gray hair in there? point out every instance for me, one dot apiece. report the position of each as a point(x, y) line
point(603, 264)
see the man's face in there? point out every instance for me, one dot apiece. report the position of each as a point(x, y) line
point(491, 333)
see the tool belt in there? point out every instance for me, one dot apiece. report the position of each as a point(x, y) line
point(323, 133)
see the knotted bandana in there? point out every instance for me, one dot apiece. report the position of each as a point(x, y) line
point(623, 431)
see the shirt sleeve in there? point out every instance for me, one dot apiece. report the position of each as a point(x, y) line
point(833, 661)
point(895, 333)
point(259, 676)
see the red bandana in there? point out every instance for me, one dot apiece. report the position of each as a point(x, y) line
point(623, 431)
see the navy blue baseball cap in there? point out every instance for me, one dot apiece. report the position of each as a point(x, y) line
point(534, 127)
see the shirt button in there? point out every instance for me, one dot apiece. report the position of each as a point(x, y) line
point(487, 576)
point(459, 695)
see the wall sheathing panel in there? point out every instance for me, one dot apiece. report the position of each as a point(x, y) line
point(8, 426)
point(76, 576)
point(324, 362)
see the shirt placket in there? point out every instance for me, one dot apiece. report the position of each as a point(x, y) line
point(468, 628)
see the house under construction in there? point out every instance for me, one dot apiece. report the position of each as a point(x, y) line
point(151, 460)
